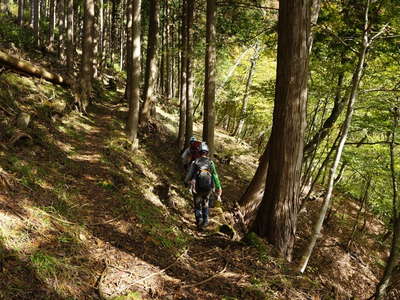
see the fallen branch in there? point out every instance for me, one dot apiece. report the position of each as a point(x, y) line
point(27, 67)
point(104, 222)
point(208, 279)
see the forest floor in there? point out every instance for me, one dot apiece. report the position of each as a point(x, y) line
point(82, 217)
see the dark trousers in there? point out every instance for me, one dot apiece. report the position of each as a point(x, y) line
point(201, 207)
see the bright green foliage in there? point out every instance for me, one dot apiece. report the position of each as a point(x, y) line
point(130, 296)
point(337, 38)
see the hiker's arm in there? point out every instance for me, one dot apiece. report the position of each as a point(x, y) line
point(215, 177)
point(190, 173)
point(185, 155)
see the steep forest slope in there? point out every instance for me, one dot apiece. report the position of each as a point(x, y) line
point(81, 217)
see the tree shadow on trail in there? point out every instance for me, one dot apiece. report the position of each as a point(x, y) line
point(20, 279)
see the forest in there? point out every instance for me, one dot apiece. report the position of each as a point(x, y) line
point(297, 101)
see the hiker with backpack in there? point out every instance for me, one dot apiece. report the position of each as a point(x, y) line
point(191, 153)
point(203, 178)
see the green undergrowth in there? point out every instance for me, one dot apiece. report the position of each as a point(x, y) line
point(130, 296)
point(58, 173)
point(12, 33)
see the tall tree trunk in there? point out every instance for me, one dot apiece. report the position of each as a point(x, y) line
point(254, 193)
point(95, 54)
point(77, 25)
point(52, 24)
point(70, 36)
point(100, 47)
point(183, 81)
point(122, 36)
point(42, 9)
point(393, 259)
point(277, 217)
point(345, 129)
point(109, 37)
point(114, 25)
point(210, 76)
point(189, 72)
point(151, 62)
point(134, 94)
point(245, 98)
point(128, 88)
point(86, 70)
point(36, 21)
point(251, 199)
point(21, 7)
point(106, 35)
point(32, 13)
point(61, 29)
point(168, 45)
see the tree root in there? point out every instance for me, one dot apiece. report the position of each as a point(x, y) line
point(19, 135)
point(7, 181)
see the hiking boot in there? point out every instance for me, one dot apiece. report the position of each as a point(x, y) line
point(199, 222)
point(205, 216)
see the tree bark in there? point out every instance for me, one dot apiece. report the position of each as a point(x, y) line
point(251, 199)
point(128, 87)
point(169, 45)
point(121, 36)
point(189, 73)
point(277, 217)
point(151, 62)
point(70, 36)
point(31, 69)
point(36, 21)
point(86, 69)
point(345, 129)
point(61, 29)
point(95, 47)
point(183, 81)
point(21, 4)
point(133, 113)
point(52, 23)
point(114, 25)
point(100, 46)
point(210, 76)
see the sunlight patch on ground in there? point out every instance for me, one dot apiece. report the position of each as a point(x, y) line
point(13, 233)
point(137, 275)
point(64, 146)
